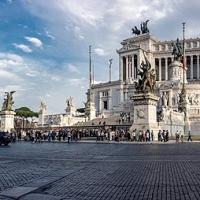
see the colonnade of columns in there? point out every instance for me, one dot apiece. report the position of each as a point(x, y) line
point(128, 67)
point(192, 64)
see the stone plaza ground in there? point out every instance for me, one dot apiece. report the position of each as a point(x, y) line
point(99, 171)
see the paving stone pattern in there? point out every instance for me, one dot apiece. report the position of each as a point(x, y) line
point(101, 171)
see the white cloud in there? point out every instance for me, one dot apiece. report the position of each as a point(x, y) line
point(7, 75)
point(55, 78)
point(49, 35)
point(99, 52)
point(23, 47)
point(77, 33)
point(34, 41)
point(76, 82)
point(73, 69)
point(10, 60)
point(12, 87)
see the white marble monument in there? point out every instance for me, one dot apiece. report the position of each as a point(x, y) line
point(7, 114)
point(145, 112)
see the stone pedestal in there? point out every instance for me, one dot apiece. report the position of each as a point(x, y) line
point(7, 120)
point(92, 111)
point(145, 113)
point(176, 71)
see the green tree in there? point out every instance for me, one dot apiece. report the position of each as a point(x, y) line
point(24, 113)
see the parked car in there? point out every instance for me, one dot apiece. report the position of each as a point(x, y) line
point(4, 138)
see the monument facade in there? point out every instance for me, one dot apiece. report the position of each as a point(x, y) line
point(69, 118)
point(114, 97)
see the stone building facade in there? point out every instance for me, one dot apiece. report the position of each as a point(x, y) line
point(113, 98)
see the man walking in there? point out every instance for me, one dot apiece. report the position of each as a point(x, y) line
point(68, 135)
point(189, 136)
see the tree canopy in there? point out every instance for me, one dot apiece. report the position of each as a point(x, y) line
point(25, 112)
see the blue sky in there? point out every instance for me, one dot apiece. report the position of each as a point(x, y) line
point(44, 43)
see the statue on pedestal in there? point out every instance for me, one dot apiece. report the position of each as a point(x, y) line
point(135, 30)
point(165, 99)
point(7, 113)
point(43, 108)
point(70, 106)
point(143, 26)
point(177, 51)
point(147, 80)
point(8, 101)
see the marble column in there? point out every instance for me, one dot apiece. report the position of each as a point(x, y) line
point(170, 98)
point(191, 67)
point(166, 70)
point(132, 60)
point(127, 72)
point(120, 68)
point(129, 66)
point(198, 66)
point(159, 69)
point(100, 103)
point(110, 99)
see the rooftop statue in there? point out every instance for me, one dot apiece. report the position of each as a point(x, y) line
point(8, 101)
point(177, 51)
point(70, 102)
point(143, 26)
point(147, 80)
point(43, 107)
point(135, 30)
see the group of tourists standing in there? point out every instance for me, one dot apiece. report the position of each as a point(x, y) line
point(101, 134)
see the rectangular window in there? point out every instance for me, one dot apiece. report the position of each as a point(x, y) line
point(105, 105)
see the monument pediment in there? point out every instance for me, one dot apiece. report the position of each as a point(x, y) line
point(128, 47)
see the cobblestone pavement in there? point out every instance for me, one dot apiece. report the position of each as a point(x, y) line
point(76, 171)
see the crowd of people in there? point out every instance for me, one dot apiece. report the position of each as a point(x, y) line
point(100, 134)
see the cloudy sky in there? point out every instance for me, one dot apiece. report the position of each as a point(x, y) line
point(44, 43)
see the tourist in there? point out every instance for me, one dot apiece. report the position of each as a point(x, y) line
point(152, 135)
point(177, 136)
point(189, 136)
point(159, 135)
point(134, 135)
point(167, 135)
point(128, 136)
point(68, 136)
point(59, 135)
point(181, 134)
point(147, 136)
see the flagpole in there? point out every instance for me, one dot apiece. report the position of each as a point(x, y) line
point(184, 67)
